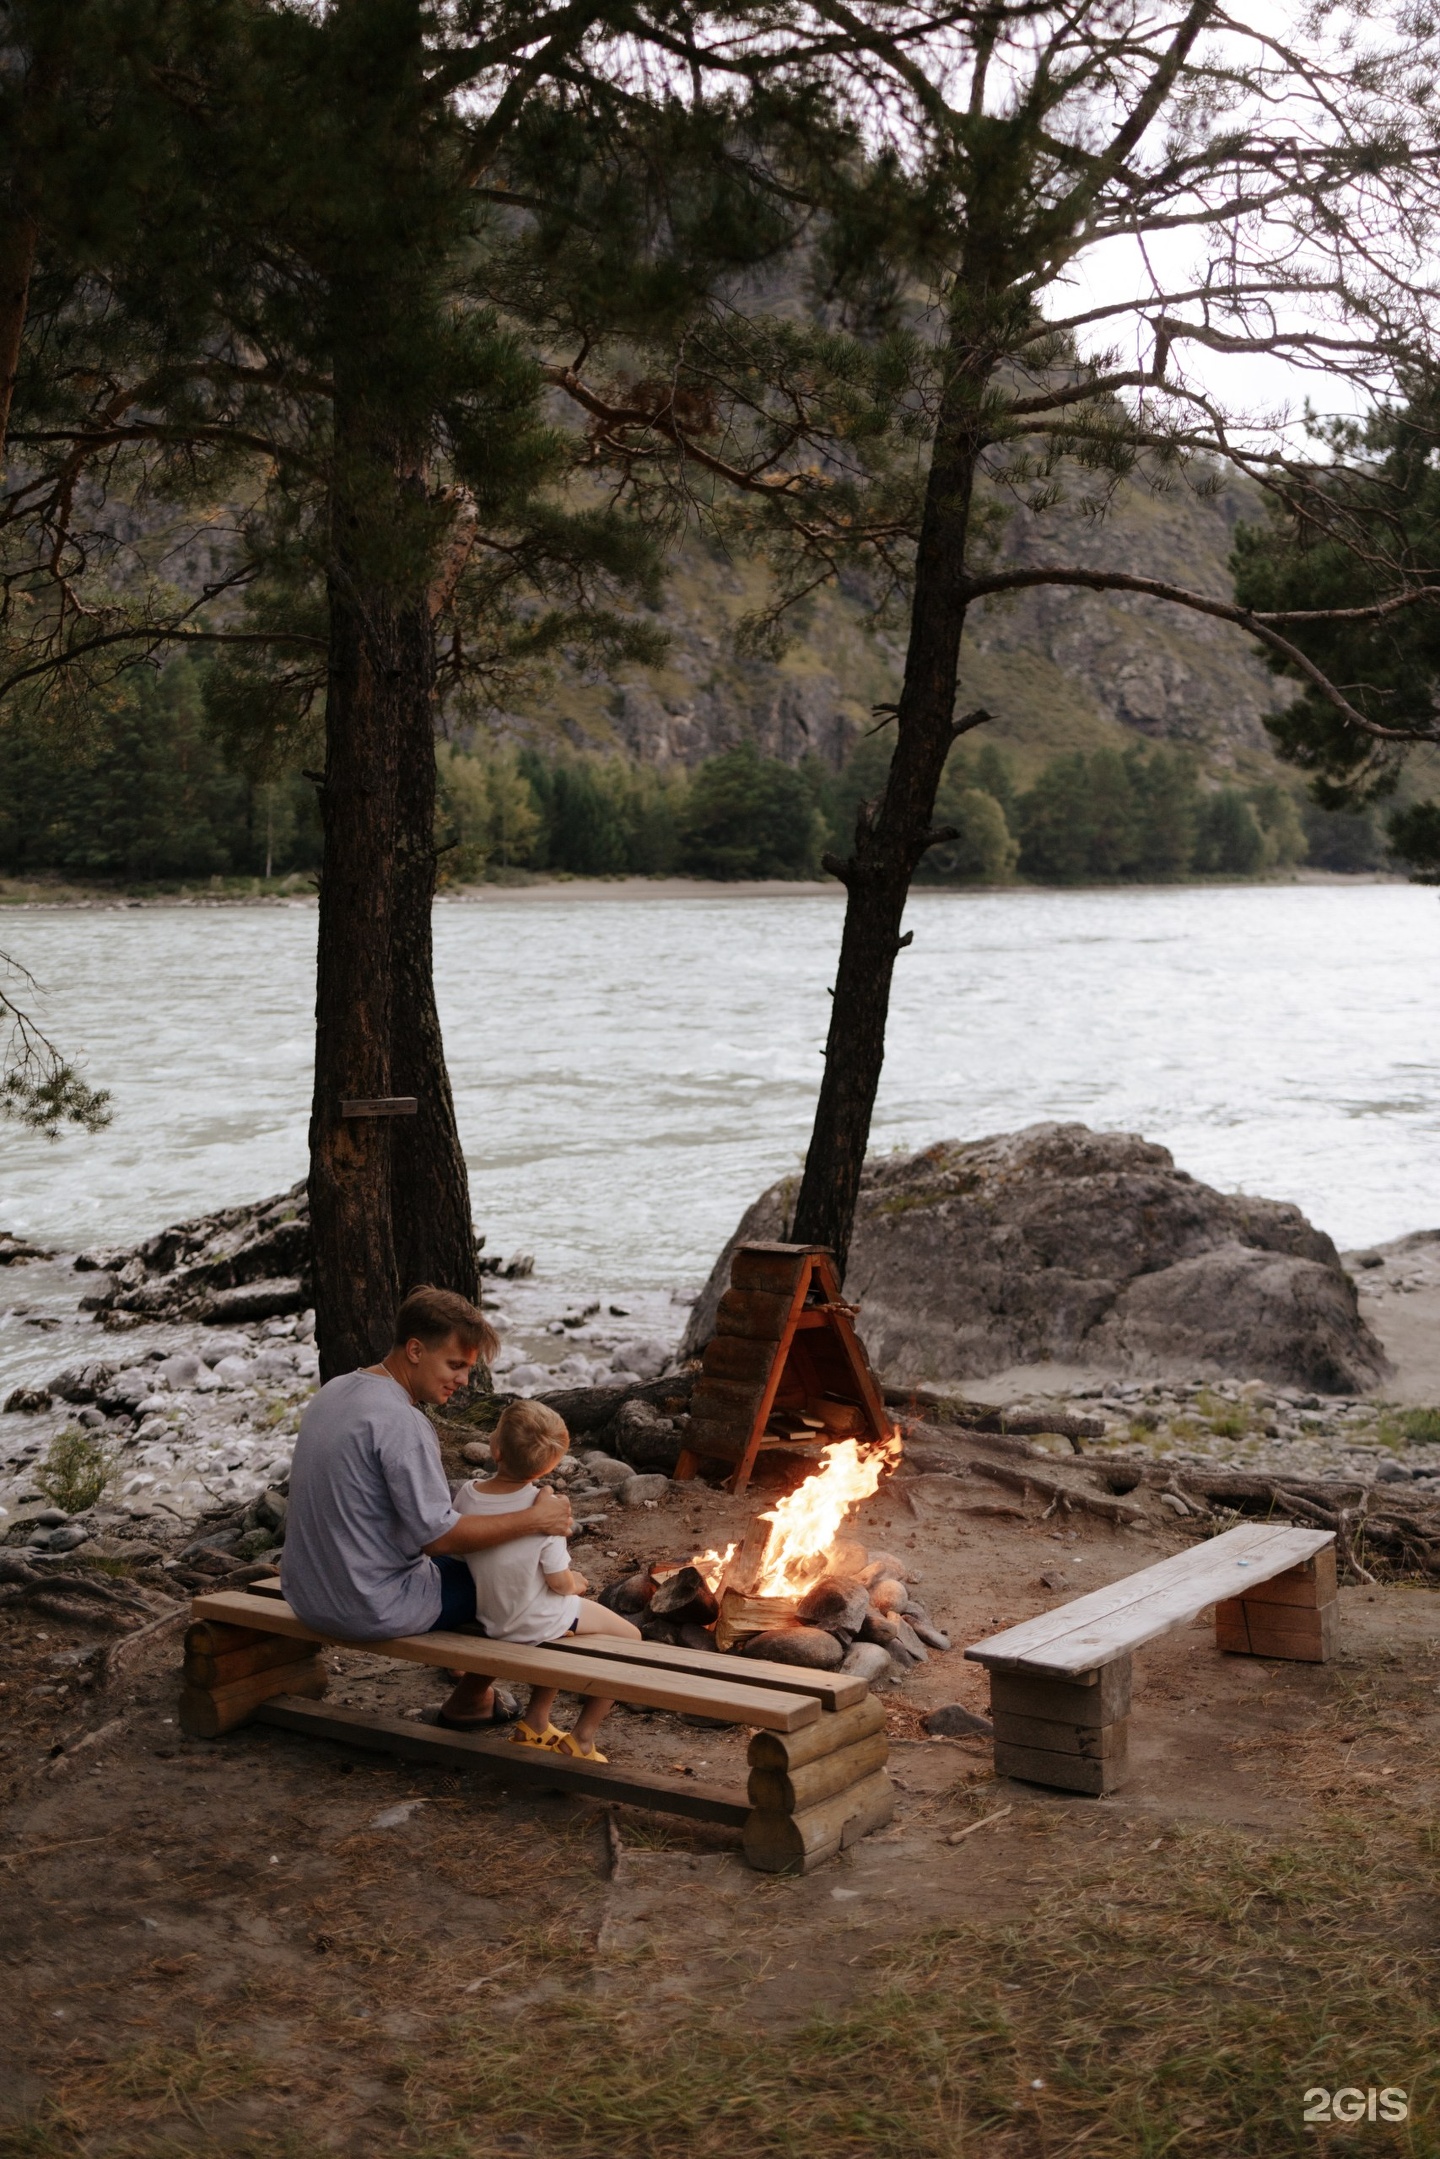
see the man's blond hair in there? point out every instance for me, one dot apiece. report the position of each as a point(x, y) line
point(528, 1438)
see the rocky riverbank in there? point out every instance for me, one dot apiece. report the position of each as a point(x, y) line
point(178, 1369)
point(175, 1372)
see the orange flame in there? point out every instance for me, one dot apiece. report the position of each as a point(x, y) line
point(808, 1519)
point(712, 1564)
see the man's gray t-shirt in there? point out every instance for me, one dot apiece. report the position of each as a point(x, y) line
point(367, 1493)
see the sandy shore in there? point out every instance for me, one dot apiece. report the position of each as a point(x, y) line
point(18, 894)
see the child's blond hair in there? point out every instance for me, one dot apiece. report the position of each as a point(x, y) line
point(528, 1439)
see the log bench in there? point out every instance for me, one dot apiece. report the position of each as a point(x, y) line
point(1060, 1684)
point(817, 1752)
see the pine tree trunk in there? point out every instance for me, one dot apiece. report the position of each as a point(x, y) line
point(429, 1184)
point(19, 237)
point(375, 646)
point(389, 1196)
point(892, 836)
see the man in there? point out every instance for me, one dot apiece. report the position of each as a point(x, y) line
point(373, 1546)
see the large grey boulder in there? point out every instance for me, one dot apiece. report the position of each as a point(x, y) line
point(1059, 1245)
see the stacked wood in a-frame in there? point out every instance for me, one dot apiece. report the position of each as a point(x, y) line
point(818, 1790)
point(781, 1329)
point(230, 1671)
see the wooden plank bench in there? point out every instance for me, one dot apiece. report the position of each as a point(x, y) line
point(1060, 1683)
point(817, 1755)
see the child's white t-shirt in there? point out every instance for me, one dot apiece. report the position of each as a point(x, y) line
point(512, 1600)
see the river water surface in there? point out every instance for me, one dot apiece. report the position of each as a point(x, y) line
point(630, 1071)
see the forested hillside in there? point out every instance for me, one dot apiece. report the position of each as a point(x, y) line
point(1127, 742)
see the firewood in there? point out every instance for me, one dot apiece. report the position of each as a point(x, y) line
point(759, 1314)
point(206, 1712)
point(741, 1616)
point(686, 1596)
point(838, 1729)
point(745, 1569)
point(631, 1596)
point(792, 1791)
point(835, 1603)
point(797, 1843)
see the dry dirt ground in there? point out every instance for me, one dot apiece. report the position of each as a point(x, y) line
point(268, 1945)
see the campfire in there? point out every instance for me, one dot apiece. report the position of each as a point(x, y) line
point(795, 1588)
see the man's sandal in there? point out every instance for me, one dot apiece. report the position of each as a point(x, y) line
point(567, 1743)
point(522, 1736)
point(488, 1723)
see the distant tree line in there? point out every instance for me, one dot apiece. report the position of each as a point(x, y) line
point(145, 792)
point(1140, 815)
point(149, 795)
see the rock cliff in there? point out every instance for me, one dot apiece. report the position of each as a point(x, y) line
point(1059, 1245)
point(1059, 669)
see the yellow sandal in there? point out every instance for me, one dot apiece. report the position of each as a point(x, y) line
point(522, 1736)
point(567, 1743)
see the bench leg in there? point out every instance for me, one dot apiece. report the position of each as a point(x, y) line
point(816, 1791)
point(1066, 1735)
point(1292, 1617)
point(224, 1686)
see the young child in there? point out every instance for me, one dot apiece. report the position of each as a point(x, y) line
point(527, 1591)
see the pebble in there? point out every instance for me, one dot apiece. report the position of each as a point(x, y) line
point(66, 1539)
point(604, 1469)
point(642, 1491)
point(868, 1661)
point(647, 1359)
point(955, 1719)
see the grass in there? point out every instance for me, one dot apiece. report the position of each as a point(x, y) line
point(75, 1471)
point(1227, 1420)
point(1167, 1998)
point(1170, 1990)
point(1410, 1428)
point(1179, 2006)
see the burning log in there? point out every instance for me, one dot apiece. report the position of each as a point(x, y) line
point(632, 1596)
point(794, 1591)
point(785, 1552)
point(685, 1598)
point(742, 1608)
point(835, 1603)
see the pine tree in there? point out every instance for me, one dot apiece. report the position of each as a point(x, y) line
point(328, 333)
point(947, 388)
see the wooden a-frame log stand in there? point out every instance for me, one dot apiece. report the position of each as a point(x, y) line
point(784, 1348)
